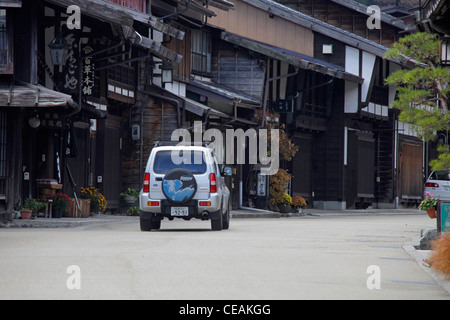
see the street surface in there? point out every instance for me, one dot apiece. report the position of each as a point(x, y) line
point(326, 257)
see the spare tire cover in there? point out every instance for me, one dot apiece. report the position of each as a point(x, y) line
point(179, 186)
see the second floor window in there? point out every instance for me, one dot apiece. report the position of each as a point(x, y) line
point(201, 52)
point(3, 40)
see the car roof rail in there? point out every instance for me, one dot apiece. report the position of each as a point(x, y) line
point(181, 143)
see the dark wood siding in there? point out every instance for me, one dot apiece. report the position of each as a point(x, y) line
point(78, 165)
point(182, 70)
point(158, 122)
point(108, 159)
point(302, 170)
point(366, 165)
point(345, 18)
point(329, 153)
point(235, 68)
point(338, 56)
point(139, 5)
point(360, 170)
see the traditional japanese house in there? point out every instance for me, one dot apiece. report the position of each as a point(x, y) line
point(82, 64)
point(353, 151)
point(164, 102)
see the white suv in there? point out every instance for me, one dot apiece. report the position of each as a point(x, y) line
point(184, 182)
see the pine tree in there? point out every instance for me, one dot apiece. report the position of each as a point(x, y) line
point(423, 92)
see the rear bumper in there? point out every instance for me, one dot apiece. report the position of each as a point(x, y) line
point(165, 206)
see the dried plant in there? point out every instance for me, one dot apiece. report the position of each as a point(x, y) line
point(440, 258)
point(278, 186)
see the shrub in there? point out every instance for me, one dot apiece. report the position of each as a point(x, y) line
point(278, 186)
point(61, 200)
point(133, 211)
point(98, 201)
point(299, 202)
point(129, 192)
point(440, 257)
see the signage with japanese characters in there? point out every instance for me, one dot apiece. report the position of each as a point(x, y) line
point(71, 68)
point(87, 72)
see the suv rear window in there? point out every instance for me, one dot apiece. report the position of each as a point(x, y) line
point(440, 175)
point(164, 164)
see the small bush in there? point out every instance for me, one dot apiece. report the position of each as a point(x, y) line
point(440, 257)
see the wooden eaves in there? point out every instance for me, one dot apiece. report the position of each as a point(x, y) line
point(110, 12)
point(113, 13)
point(292, 60)
point(326, 29)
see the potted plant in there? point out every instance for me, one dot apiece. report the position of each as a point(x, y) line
point(26, 211)
point(129, 196)
point(299, 203)
point(98, 201)
point(429, 205)
point(277, 188)
point(61, 202)
point(285, 204)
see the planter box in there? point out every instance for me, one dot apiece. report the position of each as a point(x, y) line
point(85, 206)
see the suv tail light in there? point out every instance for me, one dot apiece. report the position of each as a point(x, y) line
point(146, 187)
point(431, 185)
point(212, 183)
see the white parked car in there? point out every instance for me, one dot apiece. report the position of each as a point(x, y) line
point(194, 188)
point(438, 185)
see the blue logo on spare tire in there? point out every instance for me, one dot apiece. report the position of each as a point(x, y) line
point(179, 186)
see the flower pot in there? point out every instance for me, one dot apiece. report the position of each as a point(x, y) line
point(56, 213)
point(432, 213)
point(129, 199)
point(25, 214)
point(285, 208)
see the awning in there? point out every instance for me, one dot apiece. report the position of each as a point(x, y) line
point(223, 94)
point(201, 109)
point(28, 95)
point(293, 58)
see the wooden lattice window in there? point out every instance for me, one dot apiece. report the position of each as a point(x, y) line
point(201, 52)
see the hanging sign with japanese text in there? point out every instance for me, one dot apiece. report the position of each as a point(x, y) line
point(87, 72)
point(71, 68)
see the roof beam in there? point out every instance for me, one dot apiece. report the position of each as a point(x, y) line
point(110, 12)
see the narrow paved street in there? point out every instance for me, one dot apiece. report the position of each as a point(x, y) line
point(326, 257)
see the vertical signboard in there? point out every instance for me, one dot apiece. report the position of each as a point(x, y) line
point(443, 217)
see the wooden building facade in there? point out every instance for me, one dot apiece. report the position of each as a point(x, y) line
point(61, 122)
point(354, 152)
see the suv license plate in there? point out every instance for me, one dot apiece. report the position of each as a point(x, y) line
point(179, 211)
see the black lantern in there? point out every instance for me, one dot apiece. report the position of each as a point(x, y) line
point(445, 51)
point(58, 51)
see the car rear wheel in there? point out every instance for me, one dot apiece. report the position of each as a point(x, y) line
point(217, 224)
point(226, 217)
point(150, 224)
